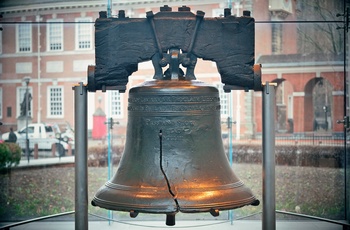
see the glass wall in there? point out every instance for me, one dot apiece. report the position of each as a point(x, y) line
point(300, 45)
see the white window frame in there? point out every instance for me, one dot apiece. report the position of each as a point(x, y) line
point(290, 106)
point(20, 92)
point(218, 12)
point(83, 25)
point(280, 94)
point(27, 37)
point(224, 101)
point(57, 24)
point(50, 106)
point(1, 109)
point(116, 103)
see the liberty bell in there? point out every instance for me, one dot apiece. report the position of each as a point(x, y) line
point(174, 159)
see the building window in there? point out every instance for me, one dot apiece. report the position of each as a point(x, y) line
point(55, 35)
point(55, 101)
point(81, 65)
point(0, 103)
point(116, 103)
point(280, 94)
point(83, 33)
point(24, 37)
point(21, 101)
point(224, 103)
point(24, 67)
point(218, 12)
point(276, 38)
point(9, 111)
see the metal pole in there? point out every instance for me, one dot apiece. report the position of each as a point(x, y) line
point(109, 153)
point(81, 189)
point(109, 8)
point(229, 4)
point(231, 157)
point(229, 124)
point(109, 149)
point(38, 19)
point(269, 206)
point(26, 80)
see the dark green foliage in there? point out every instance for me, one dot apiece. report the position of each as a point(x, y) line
point(10, 155)
point(98, 155)
point(293, 155)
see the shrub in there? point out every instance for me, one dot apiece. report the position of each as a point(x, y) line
point(98, 155)
point(293, 155)
point(10, 155)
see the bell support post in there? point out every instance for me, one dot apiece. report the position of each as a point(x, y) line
point(81, 177)
point(269, 197)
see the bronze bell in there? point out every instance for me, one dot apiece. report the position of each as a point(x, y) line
point(174, 158)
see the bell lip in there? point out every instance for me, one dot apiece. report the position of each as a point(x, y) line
point(172, 209)
point(127, 207)
point(226, 200)
point(120, 198)
point(222, 206)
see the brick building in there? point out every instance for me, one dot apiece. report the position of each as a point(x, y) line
point(52, 42)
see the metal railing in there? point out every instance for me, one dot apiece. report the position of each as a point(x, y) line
point(312, 139)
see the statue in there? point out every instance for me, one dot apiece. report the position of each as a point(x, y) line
point(23, 104)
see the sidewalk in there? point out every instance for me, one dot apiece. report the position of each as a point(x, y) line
point(181, 225)
point(46, 158)
point(45, 161)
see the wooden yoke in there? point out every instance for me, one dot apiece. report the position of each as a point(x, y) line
point(121, 43)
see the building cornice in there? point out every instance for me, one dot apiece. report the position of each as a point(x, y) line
point(307, 69)
point(47, 54)
point(43, 7)
point(45, 80)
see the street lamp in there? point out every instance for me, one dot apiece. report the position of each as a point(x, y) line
point(27, 80)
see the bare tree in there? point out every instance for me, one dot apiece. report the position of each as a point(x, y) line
point(321, 36)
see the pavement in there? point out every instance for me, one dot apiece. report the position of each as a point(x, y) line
point(180, 225)
point(45, 158)
point(24, 163)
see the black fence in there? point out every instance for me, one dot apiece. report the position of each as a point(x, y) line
point(313, 139)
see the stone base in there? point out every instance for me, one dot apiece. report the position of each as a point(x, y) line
point(21, 122)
